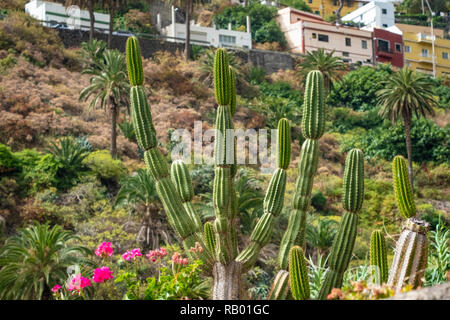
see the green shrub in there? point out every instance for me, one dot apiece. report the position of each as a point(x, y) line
point(104, 166)
point(318, 201)
point(264, 27)
point(8, 161)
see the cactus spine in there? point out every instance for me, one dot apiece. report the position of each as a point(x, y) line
point(312, 130)
point(174, 186)
point(411, 251)
point(342, 248)
point(378, 257)
point(402, 188)
point(298, 274)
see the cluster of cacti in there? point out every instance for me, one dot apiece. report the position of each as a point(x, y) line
point(378, 257)
point(174, 187)
point(352, 200)
point(411, 251)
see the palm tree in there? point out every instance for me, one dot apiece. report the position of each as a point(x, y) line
point(321, 236)
point(406, 93)
point(36, 259)
point(188, 8)
point(109, 86)
point(139, 190)
point(326, 63)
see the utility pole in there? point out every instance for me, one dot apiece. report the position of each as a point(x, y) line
point(432, 40)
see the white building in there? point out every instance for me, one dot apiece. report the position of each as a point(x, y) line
point(51, 13)
point(375, 14)
point(209, 36)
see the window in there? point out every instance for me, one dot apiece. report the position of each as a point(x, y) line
point(364, 44)
point(349, 3)
point(227, 39)
point(398, 47)
point(314, 35)
point(444, 55)
point(309, 1)
point(407, 49)
point(384, 11)
point(335, 3)
point(317, 12)
point(424, 52)
point(348, 42)
point(385, 25)
point(323, 37)
point(345, 54)
point(383, 45)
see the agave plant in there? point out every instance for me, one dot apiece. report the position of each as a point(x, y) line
point(36, 259)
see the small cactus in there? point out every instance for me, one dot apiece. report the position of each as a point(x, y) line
point(233, 91)
point(298, 274)
point(378, 257)
point(134, 62)
point(402, 188)
point(280, 286)
point(222, 81)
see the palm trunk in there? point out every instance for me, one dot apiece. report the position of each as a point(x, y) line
point(91, 18)
point(338, 12)
point(407, 120)
point(113, 106)
point(111, 24)
point(227, 281)
point(187, 45)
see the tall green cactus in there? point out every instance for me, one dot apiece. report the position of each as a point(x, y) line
point(378, 257)
point(411, 251)
point(352, 199)
point(312, 129)
point(298, 274)
point(402, 188)
point(174, 187)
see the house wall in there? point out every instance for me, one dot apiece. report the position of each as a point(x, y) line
point(327, 7)
point(417, 39)
point(337, 41)
point(372, 16)
point(48, 11)
point(394, 57)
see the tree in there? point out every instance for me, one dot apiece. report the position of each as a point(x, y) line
point(36, 259)
point(324, 62)
point(89, 5)
point(112, 6)
point(109, 86)
point(188, 8)
point(139, 190)
point(406, 93)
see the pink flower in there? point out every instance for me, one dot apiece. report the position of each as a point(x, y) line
point(128, 255)
point(198, 248)
point(79, 282)
point(56, 288)
point(156, 254)
point(102, 274)
point(104, 250)
point(176, 258)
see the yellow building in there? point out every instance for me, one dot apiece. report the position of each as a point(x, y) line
point(327, 7)
point(418, 49)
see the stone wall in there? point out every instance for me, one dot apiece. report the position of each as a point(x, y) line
point(272, 61)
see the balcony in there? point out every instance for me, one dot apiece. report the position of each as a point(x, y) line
point(387, 53)
point(423, 37)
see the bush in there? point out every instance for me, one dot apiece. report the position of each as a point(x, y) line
point(429, 141)
point(104, 166)
point(262, 17)
point(8, 161)
point(344, 119)
point(357, 89)
point(318, 201)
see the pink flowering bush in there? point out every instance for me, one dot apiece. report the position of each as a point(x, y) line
point(78, 283)
point(178, 259)
point(56, 288)
point(102, 274)
point(157, 254)
point(132, 255)
point(104, 250)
